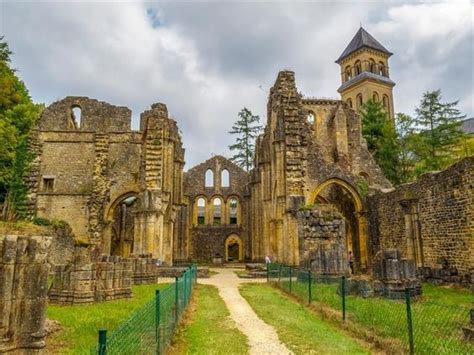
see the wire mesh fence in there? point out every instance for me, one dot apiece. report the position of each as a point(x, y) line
point(150, 329)
point(411, 325)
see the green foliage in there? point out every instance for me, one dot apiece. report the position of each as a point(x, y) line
point(439, 127)
point(306, 207)
point(363, 186)
point(41, 221)
point(381, 137)
point(208, 329)
point(247, 129)
point(17, 117)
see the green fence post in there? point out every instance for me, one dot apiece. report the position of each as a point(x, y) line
point(102, 342)
point(409, 321)
point(343, 290)
point(268, 272)
point(290, 280)
point(176, 301)
point(279, 275)
point(185, 288)
point(157, 320)
point(309, 287)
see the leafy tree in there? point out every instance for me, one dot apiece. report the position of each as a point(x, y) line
point(247, 129)
point(381, 136)
point(408, 141)
point(439, 126)
point(17, 117)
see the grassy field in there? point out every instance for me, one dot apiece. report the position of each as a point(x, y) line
point(438, 316)
point(300, 329)
point(207, 328)
point(81, 323)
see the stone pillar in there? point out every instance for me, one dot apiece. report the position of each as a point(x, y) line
point(23, 292)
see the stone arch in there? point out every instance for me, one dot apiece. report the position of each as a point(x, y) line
point(209, 178)
point(76, 116)
point(233, 213)
point(358, 67)
point(200, 212)
point(375, 96)
point(359, 101)
point(217, 210)
point(359, 215)
point(234, 248)
point(119, 230)
point(372, 65)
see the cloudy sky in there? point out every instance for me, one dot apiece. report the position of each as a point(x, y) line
point(207, 60)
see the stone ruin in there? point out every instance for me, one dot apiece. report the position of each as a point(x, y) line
point(321, 232)
point(391, 275)
point(23, 291)
point(144, 270)
point(89, 280)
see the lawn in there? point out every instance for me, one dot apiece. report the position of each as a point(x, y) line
point(207, 328)
point(299, 328)
point(80, 323)
point(438, 316)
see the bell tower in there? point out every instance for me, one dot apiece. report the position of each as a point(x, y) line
point(365, 74)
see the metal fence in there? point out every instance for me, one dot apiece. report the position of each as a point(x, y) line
point(412, 325)
point(150, 329)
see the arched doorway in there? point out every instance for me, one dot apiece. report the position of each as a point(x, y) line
point(234, 251)
point(119, 234)
point(348, 201)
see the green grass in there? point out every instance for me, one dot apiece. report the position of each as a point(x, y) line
point(207, 329)
point(80, 323)
point(438, 316)
point(299, 328)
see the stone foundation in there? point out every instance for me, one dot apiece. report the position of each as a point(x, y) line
point(23, 292)
point(177, 271)
point(321, 233)
point(144, 270)
point(88, 281)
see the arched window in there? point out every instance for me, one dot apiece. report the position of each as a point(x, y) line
point(216, 211)
point(225, 178)
point(76, 113)
point(375, 96)
point(310, 118)
point(372, 65)
point(233, 205)
point(382, 69)
point(347, 72)
point(209, 180)
point(201, 211)
point(349, 102)
point(385, 102)
point(358, 67)
point(359, 101)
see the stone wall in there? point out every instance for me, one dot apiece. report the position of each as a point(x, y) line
point(23, 291)
point(431, 221)
point(144, 270)
point(87, 280)
point(209, 242)
point(322, 240)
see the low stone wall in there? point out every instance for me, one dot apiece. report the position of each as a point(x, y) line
point(144, 270)
point(321, 234)
point(176, 271)
point(88, 281)
point(23, 291)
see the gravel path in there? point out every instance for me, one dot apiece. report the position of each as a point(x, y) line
point(263, 338)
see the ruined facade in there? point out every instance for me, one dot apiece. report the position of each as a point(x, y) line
point(216, 220)
point(118, 189)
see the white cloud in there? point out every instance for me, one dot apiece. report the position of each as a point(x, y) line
point(207, 60)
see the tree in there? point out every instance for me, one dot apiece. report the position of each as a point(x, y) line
point(17, 116)
point(247, 129)
point(381, 136)
point(439, 126)
point(408, 141)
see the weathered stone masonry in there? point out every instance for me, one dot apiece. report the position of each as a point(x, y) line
point(23, 291)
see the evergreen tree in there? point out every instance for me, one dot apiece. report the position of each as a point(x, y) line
point(408, 141)
point(17, 117)
point(247, 129)
point(381, 136)
point(439, 126)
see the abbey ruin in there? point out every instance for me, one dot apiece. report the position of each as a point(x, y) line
point(126, 193)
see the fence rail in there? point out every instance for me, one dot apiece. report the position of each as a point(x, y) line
point(150, 329)
point(412, 325)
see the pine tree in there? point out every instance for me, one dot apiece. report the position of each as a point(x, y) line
point(439, 126)
point(408, 141)
point(381, 136)
point(247, 129)
point(17, 117)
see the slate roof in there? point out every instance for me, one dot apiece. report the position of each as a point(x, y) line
point(468, 125)
point(365, 75)
point(362, 39)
